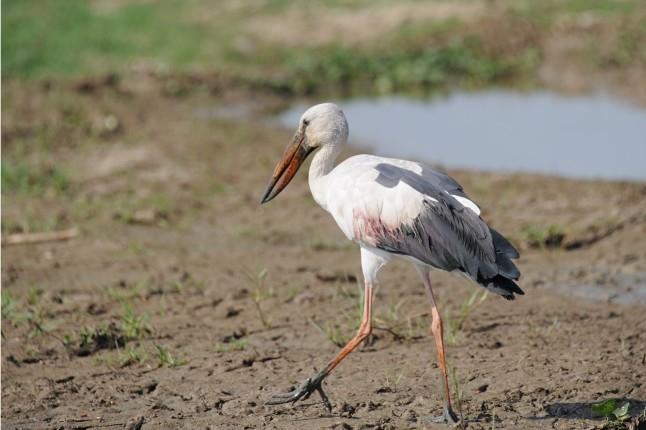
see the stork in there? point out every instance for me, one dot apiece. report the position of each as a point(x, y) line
point(393, 208)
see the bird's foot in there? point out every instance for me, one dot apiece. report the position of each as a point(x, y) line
point(303, 391)
point(447, 417)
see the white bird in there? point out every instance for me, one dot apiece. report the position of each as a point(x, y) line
point(393, 208)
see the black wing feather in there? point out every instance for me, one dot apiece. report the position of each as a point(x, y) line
point(448, 235)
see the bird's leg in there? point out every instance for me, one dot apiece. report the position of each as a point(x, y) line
point(312, 384)
point(448, 415)
point(438, 333)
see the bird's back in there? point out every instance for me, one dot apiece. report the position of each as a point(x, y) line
point(407, 208)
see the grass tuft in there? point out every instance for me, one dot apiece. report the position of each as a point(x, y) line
point(74, 37)
point(455, 323)
point(332, 332)
point(551, 236)
point(260, 293)
point(134, 326)
point(20, 177)
point(234, 344)
point(165, 358)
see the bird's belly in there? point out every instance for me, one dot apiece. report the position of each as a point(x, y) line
point(370, 230)
point(392, 239)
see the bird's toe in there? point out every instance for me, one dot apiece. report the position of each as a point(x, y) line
point(448, 417)
point(278, 399)
point(303, 391)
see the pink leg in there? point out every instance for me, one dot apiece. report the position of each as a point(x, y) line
point(314, 383)
point(438, 334)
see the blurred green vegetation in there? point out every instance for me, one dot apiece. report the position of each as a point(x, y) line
point(606, 6)
point(69, 37)
point(51, 38)
point(397, 70)
point(24, 178)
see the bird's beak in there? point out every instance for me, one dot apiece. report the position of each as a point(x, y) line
point(294, 155)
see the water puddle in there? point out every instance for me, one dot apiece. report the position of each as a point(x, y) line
point(615, 287)
point(542, 132)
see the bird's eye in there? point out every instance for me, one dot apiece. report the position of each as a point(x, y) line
point(306, 122)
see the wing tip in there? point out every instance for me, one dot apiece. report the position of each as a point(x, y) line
point(502, 286)
point(503, 245)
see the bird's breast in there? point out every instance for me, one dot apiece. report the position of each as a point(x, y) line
point(370, 229)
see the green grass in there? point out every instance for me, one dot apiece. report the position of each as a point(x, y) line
point(392, 380)
point(260, 293)
point(124, 294)
point(396, 322)
point(95, 338)
point(187, 284)
point(454, 320)
point(51, 38)
point(551, 236)
point(332, 332)
point(9, 308)
point(457, 391)
point(20, 177)
point(154, 209)
point(131, 355)
point(165, 358)
point(616, 415)
point(72, 37)
point(232, 345)
point(611, 408)
point(310, 71)
point(69, 37)
point(29, 314)
point(605, 6)
point(134, 326)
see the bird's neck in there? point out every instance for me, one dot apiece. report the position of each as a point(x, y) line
point(322, 165)
point(323, 161)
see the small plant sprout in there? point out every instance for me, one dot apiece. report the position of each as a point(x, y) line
point(612, 411)
point(126, 293)
point(9, 309)
point(105, 337)
point(457, 390)
point(391, 317)
point(354, 315)
point(186, 282)
point(333, 333)
point(232, 345)
point(33, 180)
point(165, 358)
point(402, 327)
point(34, 295)
point(260, 293)
point(36, 323)
point(551, 236)
point(455, 324)
point(86, 337)
point(134, 326)
point(131, 355)
point(392, 381)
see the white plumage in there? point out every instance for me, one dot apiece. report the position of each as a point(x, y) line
point(392, 207)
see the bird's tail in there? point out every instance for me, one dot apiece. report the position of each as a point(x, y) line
point(503, 283)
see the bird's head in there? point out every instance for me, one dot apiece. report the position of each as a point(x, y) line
point(321, 125)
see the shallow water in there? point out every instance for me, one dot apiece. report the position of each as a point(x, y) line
point(582, 137)
point(617, 287)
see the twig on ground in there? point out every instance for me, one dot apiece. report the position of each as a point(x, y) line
point(50, 236)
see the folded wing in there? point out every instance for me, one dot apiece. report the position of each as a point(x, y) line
point(446, 232)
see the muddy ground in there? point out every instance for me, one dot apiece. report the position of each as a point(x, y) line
point(152, 310)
